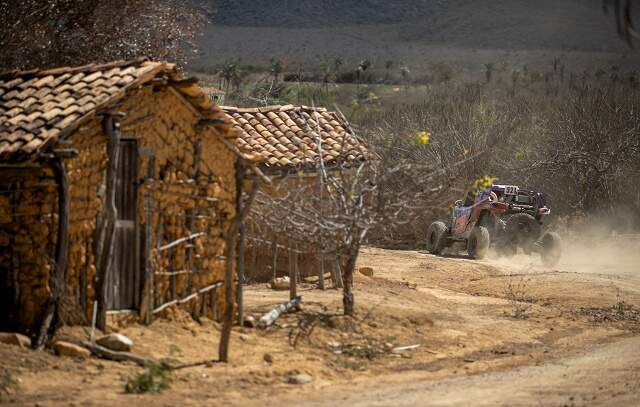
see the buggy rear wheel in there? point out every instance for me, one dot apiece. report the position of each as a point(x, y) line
point(436, 239)
point(478, 243)
point(523, 230)
point(551, 249)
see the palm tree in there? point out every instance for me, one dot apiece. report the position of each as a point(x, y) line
point(362, 66)
point(326, 74)
point(488, 71)
point(337, 64)
point(229, 74)
point(405, 72)
point(275, 69)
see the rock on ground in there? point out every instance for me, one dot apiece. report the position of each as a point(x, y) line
point(280, 283)
point(299, 378)
point(69, 349)
point(11, 338)
point(250, 322)
point(116, 342)
point(367, 271)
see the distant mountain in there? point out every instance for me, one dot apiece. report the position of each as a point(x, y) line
point(413, 32)
point(324, 13)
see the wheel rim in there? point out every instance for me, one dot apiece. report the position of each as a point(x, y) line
point(473, 243)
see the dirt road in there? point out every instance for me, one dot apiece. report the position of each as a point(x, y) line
point(607, 375)
point(499, 332)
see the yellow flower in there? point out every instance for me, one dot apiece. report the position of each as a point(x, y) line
point(519, 155)
point(423, 137)
point(465, 152)
point(483, 183)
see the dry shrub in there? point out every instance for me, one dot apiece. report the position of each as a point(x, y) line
point(516, 293)
point(579, 144)
point(154, 379)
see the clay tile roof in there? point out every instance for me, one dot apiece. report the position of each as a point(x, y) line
point(287, 136)
point(40, 107)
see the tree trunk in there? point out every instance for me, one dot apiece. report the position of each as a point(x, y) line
point(347, 280)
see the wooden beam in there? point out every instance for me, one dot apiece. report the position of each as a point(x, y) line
point(270, 317)
point(240, 248)
point(52, 315)
point(147, 303)
point(106, 226)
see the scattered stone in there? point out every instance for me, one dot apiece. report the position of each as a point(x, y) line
point(116, 342)
point(388, 346)
point(268, 358)
point(69, 349)
point(280, 283)
point(334, 344)
point(367, 271)
point(249, 322)
point(299, 378)
point(244, 338)
point(11, 338)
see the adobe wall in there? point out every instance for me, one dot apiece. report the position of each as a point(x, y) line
point(193, 191)
point(189, 196)
point(28, 227)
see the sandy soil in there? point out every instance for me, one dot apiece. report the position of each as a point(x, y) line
point(508, 325)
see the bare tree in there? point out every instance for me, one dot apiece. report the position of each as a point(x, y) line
point(347, 201)
point(46, 33)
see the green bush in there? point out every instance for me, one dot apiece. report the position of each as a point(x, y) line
point(153, 379)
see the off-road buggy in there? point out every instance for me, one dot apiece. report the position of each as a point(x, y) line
point(503, 216)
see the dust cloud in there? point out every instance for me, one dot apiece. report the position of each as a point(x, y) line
point(595, 251)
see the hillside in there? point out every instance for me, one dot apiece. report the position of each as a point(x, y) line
point(413, 32)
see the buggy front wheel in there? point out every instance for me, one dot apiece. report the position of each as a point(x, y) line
point(478, 243)
point(436, 237)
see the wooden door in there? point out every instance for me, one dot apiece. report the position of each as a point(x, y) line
point(124, 276)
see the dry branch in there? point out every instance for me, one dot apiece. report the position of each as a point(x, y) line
point(104, 353)
point(270, 317)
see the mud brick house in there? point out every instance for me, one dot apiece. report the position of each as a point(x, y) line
point(117, 185)
point(290, 141)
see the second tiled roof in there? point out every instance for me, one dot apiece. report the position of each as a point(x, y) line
point(296, 136)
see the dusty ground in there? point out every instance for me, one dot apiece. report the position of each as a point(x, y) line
point(496, 332)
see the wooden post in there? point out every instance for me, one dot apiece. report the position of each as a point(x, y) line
point(230, 239)
point(240, 248)
point(173, 277)
point(148, 290)
point(274, 248)
point(197, 147)
point(321, 272)
point(292, 274)
point(52, 315)
point(254, 253)
point(106, 227)
point(296, 262)
point(336, 275)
